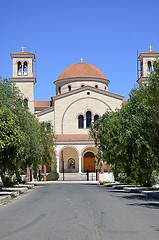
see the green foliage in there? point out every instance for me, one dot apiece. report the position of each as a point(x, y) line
point(129, 137)
point(22, 141)
point(48, 137)
point(52, 176)
point(11, 139)
point(9, 181)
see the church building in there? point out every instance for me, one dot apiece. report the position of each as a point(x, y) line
point(82, 96)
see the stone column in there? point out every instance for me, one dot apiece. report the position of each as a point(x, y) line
point(44, 172)
point(22, 69)
point(28, 173)
point(80, 163)
point(84, 123)
point(102, 166)
point(58, 167)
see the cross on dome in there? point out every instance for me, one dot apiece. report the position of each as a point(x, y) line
point(22, 48)
point(150, 47)
point(81, 59)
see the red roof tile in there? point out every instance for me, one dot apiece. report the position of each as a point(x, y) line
point(150, 52)
point(22, 53)
point(81, 70)
point(42, 104)
point(73, 137)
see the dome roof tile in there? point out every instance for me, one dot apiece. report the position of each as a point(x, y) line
point(81, 70)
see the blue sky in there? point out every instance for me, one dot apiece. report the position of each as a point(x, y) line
point(104, 33)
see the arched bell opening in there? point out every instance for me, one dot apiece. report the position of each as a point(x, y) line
point(19, 68)
point(25, 68)
point(149, 67)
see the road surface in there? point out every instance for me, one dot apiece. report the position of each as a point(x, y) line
point(79, 212)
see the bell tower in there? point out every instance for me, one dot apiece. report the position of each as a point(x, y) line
point(23, 75)
point(146, 62)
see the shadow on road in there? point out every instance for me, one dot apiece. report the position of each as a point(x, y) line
point(140, 200)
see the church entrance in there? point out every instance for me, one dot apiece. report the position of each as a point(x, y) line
point(89, 162)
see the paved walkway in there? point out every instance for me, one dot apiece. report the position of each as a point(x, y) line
point(7, 194)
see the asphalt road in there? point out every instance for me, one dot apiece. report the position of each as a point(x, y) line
point(79, 212)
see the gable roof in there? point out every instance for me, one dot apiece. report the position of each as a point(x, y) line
point(23, 54)
point(148, 53)
point(42, 104)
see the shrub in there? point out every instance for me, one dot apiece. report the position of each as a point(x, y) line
point(9, 181)
point(52, 176)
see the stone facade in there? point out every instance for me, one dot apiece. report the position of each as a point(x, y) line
point(75, 96)
point(81, 96)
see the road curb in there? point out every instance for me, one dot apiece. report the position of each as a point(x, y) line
point(7, 194)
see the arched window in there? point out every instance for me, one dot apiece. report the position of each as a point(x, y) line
point(96, 86)
point(69, 88)
point(149, 67)
point(26, 103)
point(105, 88)
point(19, 68)
point(80, 121)
point(25, 68)
point(88, 119)
point(89, 154)
point(59, 90)
point(82, 85)
point(96, 117)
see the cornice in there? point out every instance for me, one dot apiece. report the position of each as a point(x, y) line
point(23, 79)
point(45, 111)
point(85, 88)
point(74, 142)
point(81, 79)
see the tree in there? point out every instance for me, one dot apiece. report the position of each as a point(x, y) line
point(129, 137)
point(29, 143)
point(33, 146)
point(11, 139)
point(29, 149)
point(48, 137)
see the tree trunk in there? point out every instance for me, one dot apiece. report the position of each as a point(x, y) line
point(2, 173)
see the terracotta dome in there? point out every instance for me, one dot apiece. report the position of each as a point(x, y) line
point(81, 70)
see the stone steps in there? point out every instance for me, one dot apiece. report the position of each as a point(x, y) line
point(77, 176)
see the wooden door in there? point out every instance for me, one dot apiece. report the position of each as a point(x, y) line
point(89, 162)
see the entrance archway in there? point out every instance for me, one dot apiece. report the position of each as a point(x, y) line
point(71, 162)
point(89, 162)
